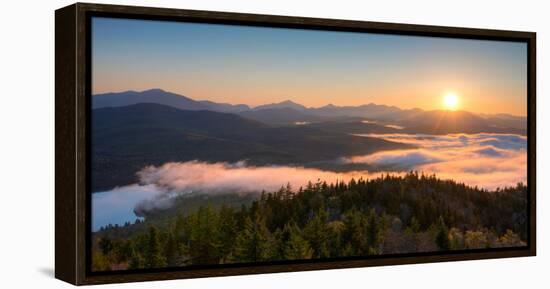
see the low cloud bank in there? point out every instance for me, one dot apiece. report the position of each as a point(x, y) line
point(483, 160)
point(159, 186)
point(197, 176)
point(176, 179)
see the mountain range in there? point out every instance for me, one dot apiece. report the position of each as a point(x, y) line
point(359, 119)
point(116, 99)
point(131, 130)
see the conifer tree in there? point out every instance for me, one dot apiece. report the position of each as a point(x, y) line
point(154, 257)
point(279, 240)
point(136, 260)
point(171, 250)
point(442, 237)
point(335, 230)
point(100, 262)
point(227, 233)
point(296, 248)
point(203, 238)
point(316, 232)
point(374, 232)
point(354, 233)
point(254, 241)
point(105, 245)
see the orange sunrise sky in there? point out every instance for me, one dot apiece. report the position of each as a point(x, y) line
point(255, 65)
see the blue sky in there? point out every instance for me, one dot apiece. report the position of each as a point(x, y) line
point(258, 65)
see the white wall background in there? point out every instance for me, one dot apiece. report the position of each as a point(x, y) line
point(27, 144)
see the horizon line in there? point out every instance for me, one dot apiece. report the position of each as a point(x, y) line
point(307, 107)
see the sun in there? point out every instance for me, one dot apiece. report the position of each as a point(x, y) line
point(450, 101)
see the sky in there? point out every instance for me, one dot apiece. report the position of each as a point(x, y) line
point(259, 65)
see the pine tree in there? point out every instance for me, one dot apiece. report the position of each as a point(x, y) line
point(154, 257)
point(136, 260)
point(203, 246)
point(442, 237)
point(171, 250)
point(374, 232)
point(279, 240)
point(354, 233)
point(124, 251)
point(316, 232)
point(335, 230)
point(253, 243)
point(105, 245)
point(297, 248)
point(100, 262)
point(227, 233)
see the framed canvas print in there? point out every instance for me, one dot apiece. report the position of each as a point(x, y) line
point(195, 143)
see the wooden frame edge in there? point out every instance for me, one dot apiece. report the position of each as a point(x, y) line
point(65, 146)
point(70, 149)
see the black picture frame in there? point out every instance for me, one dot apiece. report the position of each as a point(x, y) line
point(72, 123)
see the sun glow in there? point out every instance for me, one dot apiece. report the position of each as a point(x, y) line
point(450, 101)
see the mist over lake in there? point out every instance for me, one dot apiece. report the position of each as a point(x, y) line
point(117, 206)
point(485, 160)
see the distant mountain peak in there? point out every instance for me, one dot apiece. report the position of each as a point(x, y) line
point(153, 90)
point(283, 104)
point(288, 101)
point(160, 96)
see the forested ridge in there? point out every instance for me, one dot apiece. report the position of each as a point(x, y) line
point(386, 215)
point(126, 139)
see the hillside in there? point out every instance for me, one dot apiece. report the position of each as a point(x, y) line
point(429, 122)
point(281, 116)
point(125, 139)
point(441, 122)
point(159, 96)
